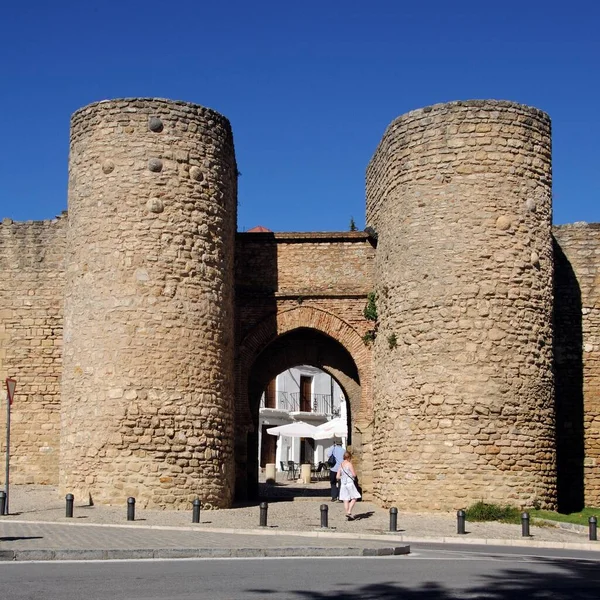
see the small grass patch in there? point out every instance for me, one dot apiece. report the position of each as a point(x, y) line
point(579, 518)
point(481, 511)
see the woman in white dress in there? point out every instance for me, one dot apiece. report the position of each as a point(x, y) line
point(348, 492)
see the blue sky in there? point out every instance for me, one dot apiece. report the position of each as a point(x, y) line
point(309, 88)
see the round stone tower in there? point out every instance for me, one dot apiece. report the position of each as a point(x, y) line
point(460, 197)
point(147, 387)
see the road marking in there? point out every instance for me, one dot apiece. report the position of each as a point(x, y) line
point(496, 556)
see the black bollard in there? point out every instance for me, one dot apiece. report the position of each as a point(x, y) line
point(131, 509)
point(69, 498)
point(196, 511)
point(460, 522)
point(525, 524)
point(263, 514)
point(2, 503)
point(324, 516)
point(593, 523)
point(393, 519)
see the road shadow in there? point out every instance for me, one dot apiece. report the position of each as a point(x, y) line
point(557, 579)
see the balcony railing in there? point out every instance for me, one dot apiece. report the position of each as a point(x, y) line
point(316, 403)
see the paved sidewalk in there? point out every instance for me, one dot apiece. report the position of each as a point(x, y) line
point(54, 541)
point(37, 529)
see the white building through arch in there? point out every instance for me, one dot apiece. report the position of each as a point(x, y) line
point(302, 393)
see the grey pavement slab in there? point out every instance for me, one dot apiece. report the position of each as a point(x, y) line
point(28, 536)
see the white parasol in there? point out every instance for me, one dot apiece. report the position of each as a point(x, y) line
point(330, 429)
point(295, 429)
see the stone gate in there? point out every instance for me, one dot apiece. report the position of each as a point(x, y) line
point(142, 329)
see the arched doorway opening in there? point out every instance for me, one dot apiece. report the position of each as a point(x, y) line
point(298, 335)
point(301, 346)
point(297, 399)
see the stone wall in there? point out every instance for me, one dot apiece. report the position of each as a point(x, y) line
point(464, 396)
point(305, 263)
point(147, 386)
point(577, 290)
point(31, 319)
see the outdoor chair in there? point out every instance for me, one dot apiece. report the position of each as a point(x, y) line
point(284, 468)
point(317, 470)
point(321, 471)
point(292, 470)
point(288, 468)
point(314, 471)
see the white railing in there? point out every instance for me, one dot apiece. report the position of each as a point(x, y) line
point(317, 403)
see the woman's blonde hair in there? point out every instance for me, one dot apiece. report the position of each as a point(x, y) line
point(347, 455)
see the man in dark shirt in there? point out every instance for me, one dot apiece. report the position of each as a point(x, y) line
point(337, 451)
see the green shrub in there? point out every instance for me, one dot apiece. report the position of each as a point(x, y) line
point(480, 511)
point(369, 337)
point(370, 310)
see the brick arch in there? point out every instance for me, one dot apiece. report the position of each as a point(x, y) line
point(306, 317)
point(270, 330)
point(277, 324)
point(304, 346)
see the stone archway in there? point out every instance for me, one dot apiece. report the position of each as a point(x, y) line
point(301, 335)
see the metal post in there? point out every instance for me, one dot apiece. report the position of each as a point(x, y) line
point(69, 498)
point(324, 516)
point(593, 523)
point(331, 392)
point(263, 514)
point(393, 519)
point(2, 502)
point(131, 509)
point(460, 522)
point(7, 465)
point(525, 524)
point(196, 511)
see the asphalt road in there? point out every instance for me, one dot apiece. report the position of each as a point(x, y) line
point(429, 573)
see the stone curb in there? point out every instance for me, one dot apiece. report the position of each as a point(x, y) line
point(174, 553)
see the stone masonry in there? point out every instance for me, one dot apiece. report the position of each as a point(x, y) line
point(460, 197)
point(300, 300)
point(31, 321)
point(147, 382)
point(577, 361)
point(142, 329)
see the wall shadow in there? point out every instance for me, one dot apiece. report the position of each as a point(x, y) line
point(256, 284)
point(568, 373)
